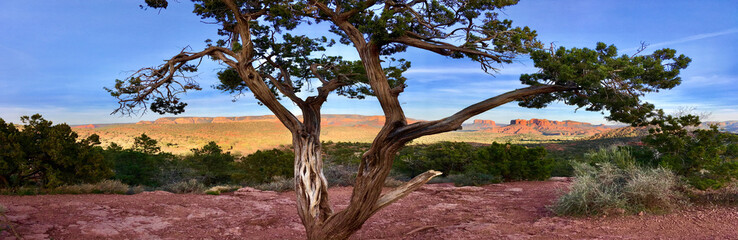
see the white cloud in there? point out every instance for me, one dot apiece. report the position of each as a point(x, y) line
point(690, 38)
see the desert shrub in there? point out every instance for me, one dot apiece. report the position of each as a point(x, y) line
point(48, 155)
point(344, 153)
point(447, 157)
point(594, 191)
point(471, 179)
point(727, 195)
point(135, 190)
point(110, 186)
point(277, 184)
point(262, 166)
point(105, 186)
point(621, 158)
point(189, 186)
point(652, 188)
point(175, 170)
point(510, 163)
point(642, 155)
point(464, 164)
point(392, 182)
point(706, 158)
point(612, 181)
point(561, 167)
point(211, 164)
point(339, 175)
point(136, 168)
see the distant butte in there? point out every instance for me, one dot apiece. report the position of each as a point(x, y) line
point(537, 127)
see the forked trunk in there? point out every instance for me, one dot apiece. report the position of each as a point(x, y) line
point(311, 186)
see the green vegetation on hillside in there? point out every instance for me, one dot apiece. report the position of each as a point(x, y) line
point(243, 138)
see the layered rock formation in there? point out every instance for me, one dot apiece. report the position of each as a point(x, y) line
point(327, 120)
point(538, 127)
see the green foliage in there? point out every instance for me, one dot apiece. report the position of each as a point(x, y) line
point(707, 158)
point(604, 80)
point(464, 164)
point(512, 162)
point(142, 164)
point(211, 164)
point(447, 157)
point(262, 166)
point(344, 153)
point(472, 178)
point(621, 158)
point(48, 155)
point(136, 168)
point(145, 144)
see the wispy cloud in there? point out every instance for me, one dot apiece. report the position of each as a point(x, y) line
point(691, 38)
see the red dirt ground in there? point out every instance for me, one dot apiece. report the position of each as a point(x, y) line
point(438, 211)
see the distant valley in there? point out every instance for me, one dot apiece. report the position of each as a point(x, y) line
point(247, 134)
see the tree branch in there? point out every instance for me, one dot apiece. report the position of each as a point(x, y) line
point(404, 189)
point(441, 48)
point(150, 80)
point(354, 11)
point(454, 122)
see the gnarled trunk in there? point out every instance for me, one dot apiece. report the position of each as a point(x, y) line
point(311, 186)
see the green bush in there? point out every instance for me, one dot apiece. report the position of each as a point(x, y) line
point(511, 163)
point(448, 157)
point(344, 153)
point(136, 168)
point(472, 179)
point(262, 166)
point(707, 158)
point(48, 155)
point(464, 164)
point(211, 164)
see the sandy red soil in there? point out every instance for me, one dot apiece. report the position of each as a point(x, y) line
point(438, 211)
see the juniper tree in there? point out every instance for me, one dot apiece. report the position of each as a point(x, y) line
point(264, 57)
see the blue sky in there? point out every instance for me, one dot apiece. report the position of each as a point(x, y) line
point(58, 55)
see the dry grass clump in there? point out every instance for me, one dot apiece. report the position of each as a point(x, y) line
point(392, 182)
point(104, 186)
point(189, 186)
point(605, 188)
point(136, 190)
point(653, 188)
point(278, 184)
point(340, 174)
